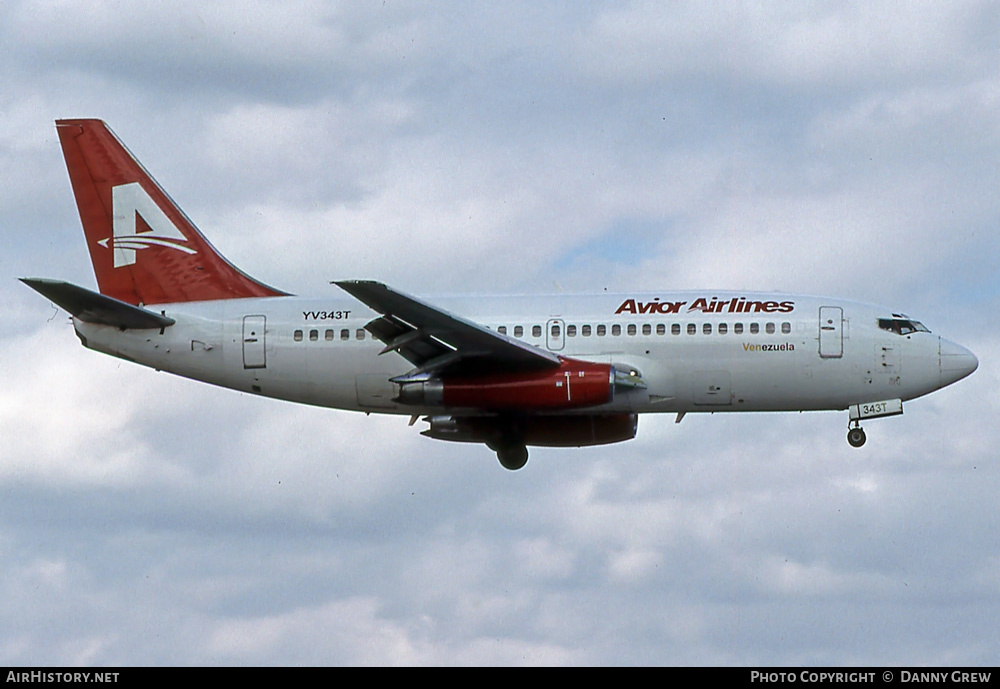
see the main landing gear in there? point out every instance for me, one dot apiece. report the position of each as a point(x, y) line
point(513, 456)
point(507, 441)
point(510, 450)
point(856, 435)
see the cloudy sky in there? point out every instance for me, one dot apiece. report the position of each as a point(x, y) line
point(506, 147)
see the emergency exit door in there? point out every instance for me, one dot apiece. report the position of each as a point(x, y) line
point(555, 334)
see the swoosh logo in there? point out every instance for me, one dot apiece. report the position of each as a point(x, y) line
point(144, 242)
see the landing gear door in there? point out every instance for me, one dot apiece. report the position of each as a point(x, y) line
point(831, 332)
point(253, 342)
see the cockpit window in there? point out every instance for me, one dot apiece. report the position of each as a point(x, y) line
point(902, 326)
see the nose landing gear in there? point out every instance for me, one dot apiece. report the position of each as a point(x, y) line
point(869, 410)
point(856, 435)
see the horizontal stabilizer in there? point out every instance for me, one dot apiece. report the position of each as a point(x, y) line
point(92, 307)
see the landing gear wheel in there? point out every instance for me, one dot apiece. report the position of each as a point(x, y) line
point(513, 457)
point(856, 437)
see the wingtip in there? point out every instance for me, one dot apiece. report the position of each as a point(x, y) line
point(34, 283)
point(348, 285)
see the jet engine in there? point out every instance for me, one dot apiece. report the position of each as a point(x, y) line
point(574, 384)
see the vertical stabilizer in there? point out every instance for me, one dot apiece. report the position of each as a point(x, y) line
point(143, 248)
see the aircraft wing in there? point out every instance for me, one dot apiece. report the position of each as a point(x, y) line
point(436, 341)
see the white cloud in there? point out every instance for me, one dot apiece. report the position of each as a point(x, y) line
point(789, 45)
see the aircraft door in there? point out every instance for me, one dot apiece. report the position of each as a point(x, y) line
point(831, 332)
point(254, 328)
point(555, 334)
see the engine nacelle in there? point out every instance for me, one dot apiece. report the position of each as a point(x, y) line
point(543, 431)
point(573, 385)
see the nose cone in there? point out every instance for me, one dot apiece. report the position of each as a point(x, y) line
point(956, 362)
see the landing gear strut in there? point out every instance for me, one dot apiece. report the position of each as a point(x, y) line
point(856, 435)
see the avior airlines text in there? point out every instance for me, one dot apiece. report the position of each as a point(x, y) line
point(703, 305)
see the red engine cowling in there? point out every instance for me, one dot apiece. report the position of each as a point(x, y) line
point(544, 431)
point(573, 385)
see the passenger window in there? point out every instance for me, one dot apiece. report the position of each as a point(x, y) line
point(360, 334)
point(313, 335)
point(631, 329)
point(707, 329)
point(518, 331)
point(616, 330)
point(555, 331)
point(328, 336)
point(661, 329)
point(570, 331)
point(737, 328)
point(770, 328)
point(345, 334)
point(536, 331)
point(675, 329)
point(585, 331)
point(692, 328)
point(754, 328)
point(723, 328)
point(646, 329)
point(602, 330)
point(786, 328)
point(502, 330)
point(298, 336)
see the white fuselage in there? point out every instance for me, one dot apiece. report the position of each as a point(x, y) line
point(695, 351)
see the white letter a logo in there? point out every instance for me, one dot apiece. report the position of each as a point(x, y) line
point(128, 201)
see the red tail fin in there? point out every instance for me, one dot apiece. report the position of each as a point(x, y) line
point(144, 249)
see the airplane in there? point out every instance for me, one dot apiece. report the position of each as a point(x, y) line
point(508, 372)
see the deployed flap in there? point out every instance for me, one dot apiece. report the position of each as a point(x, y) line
point(92, 307)
point(435, 340)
